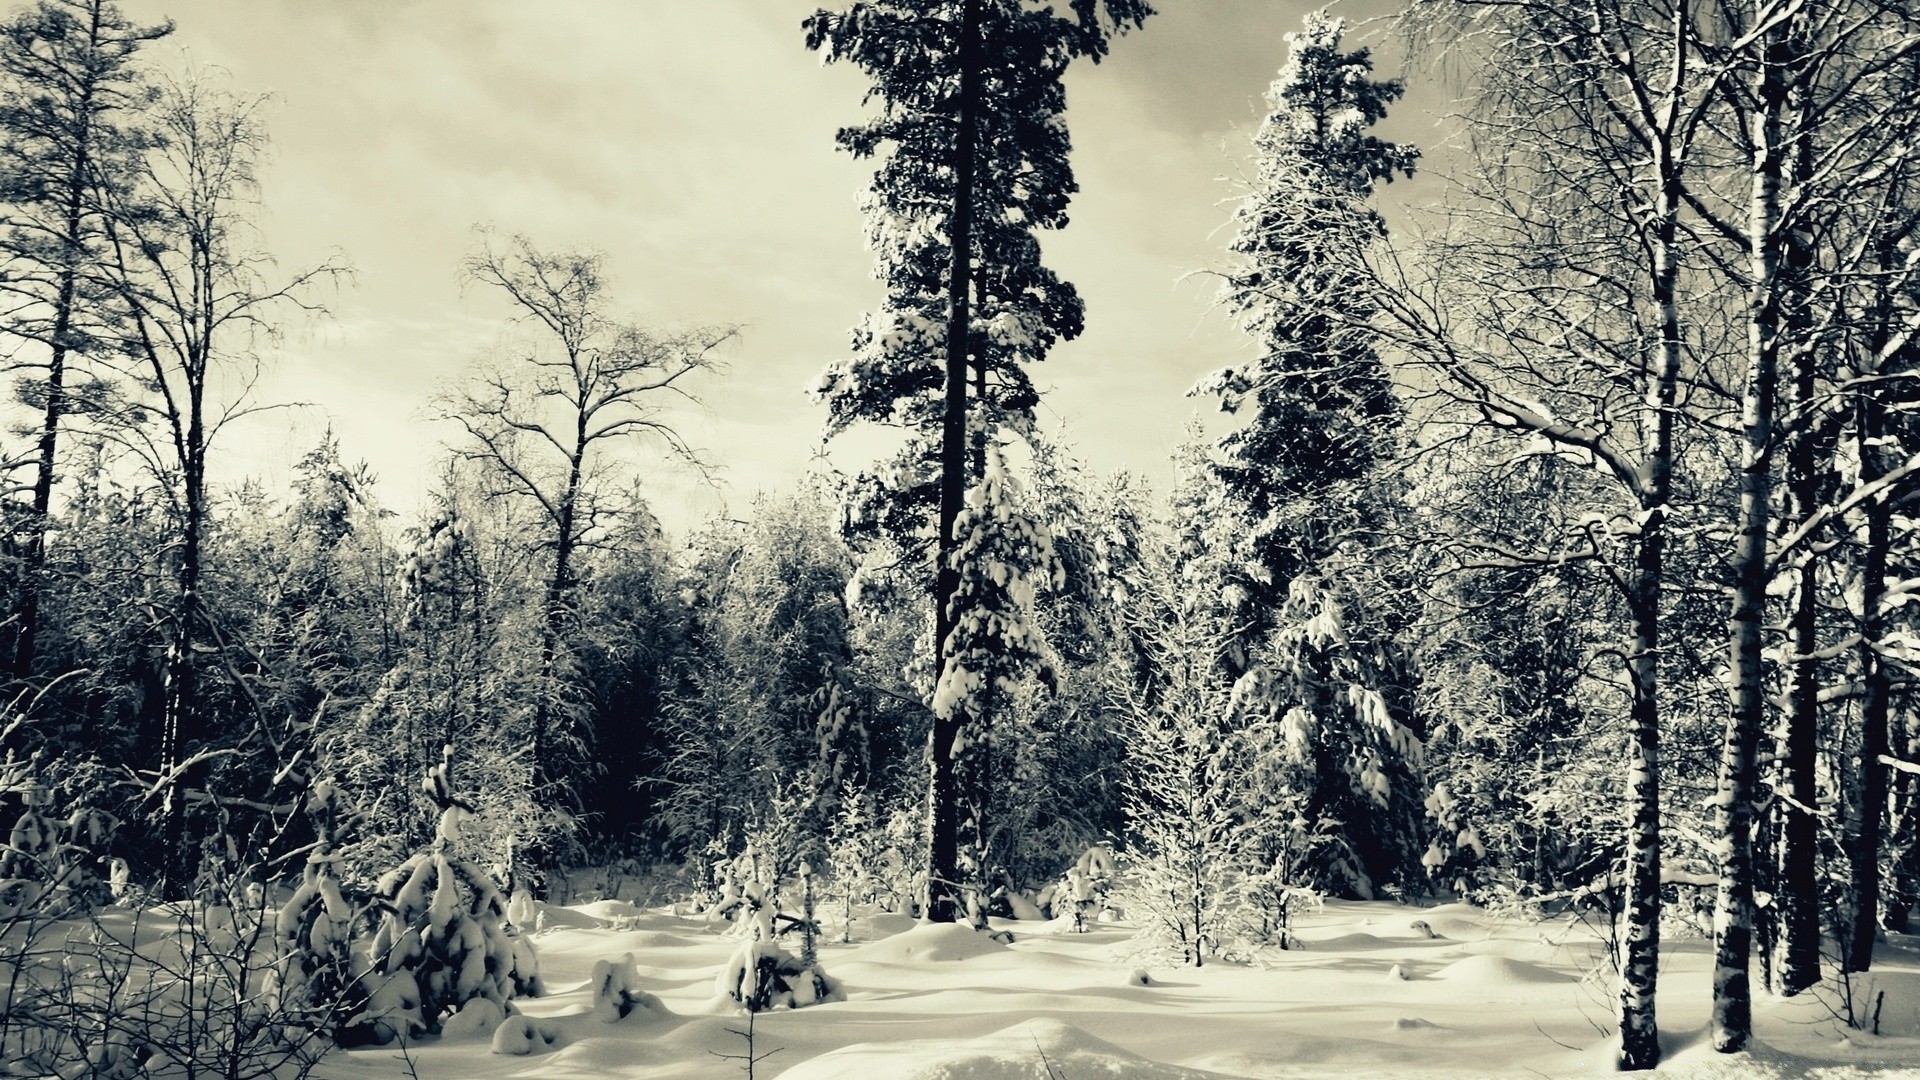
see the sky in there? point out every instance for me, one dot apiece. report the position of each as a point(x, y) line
point(692, 143)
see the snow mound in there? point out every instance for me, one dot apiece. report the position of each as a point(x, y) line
point(477, 1019)
point(560, 918)
point(881, 924)
point(1031, 1050)
point(927, 943)
point(1458, 921)
point(609, 910)
point(1488, 970)
point(523, 1035)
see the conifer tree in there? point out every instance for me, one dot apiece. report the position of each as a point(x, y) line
point(1301, 478)
point(1321, 415)
point(68, 128)
point(975, 160)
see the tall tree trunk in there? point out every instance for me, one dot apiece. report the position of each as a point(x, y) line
point(1866, 826)
point(535, 858)
point(1732, 1019)
point(1797, 901)
point(180, 711)
point(1863, 839)
point(944, 902)
point(33, 568)
point(1640, 935)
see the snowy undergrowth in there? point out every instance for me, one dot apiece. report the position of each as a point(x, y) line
point(1375, 989)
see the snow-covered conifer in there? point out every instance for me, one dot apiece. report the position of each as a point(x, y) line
point(317, 980)
point(444, 938)
point(1320, 412)
point(1004, 555)
point(972, 143)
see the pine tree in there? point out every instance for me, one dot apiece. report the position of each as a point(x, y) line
point(971, 121)
point(69, 130)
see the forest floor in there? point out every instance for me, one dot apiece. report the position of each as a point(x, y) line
point(1368, 993)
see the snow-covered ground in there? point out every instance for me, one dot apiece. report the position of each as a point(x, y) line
point(1377, 990)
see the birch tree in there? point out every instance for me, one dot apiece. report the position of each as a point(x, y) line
point(1819, 110)
point(1588, 127)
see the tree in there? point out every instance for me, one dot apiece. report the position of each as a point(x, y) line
point(181, 262)
point(1817, 114)
point(69, 127)
point(1186, 774)
point(1322, 417)
point(1304, 475)
point(587, 382)
point(1581, 211)
point(970, 101)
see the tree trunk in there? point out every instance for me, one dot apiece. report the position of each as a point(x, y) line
point(27, 604)
point(1863, 840)
point(179, 714)
point(1640, 934)
point(546, 774)
point(1866, 825)
point(1732, 1019)
point(944, 900)
point(1797, 903)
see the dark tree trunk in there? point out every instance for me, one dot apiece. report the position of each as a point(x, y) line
point(944, 900)
point(179, 721)
point(34, 561)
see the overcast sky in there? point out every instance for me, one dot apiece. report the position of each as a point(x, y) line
point(692, 142)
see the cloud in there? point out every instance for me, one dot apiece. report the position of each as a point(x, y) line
point(693, 143)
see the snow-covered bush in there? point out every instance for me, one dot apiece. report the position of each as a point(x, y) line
point(760, 975)
point(1084, 889)
point(856, 844)
point(317, 981)
point(616, 991)
point(444, 938)
point(49, 866)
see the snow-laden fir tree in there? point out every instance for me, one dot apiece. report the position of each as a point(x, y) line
point(49, 865)
point(1304, 477)
point(1002, 557)
point(444, 938)
point(972, 142)
point(1320, 413)
point(318, 981)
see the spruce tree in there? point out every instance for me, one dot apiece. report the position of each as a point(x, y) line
point(1302, 478)
point(1320, 411)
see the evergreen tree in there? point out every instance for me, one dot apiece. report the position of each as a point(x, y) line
point(69, 134)
point(971, 105)
point(1321, 416)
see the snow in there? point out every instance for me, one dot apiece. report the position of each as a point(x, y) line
point(1368, 994)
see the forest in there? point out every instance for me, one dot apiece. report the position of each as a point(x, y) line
point(1544, 560)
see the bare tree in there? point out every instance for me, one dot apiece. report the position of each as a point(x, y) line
point(1574, 337)
point(544, 425)
point(184, 262)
